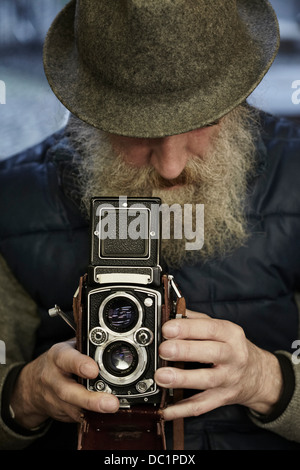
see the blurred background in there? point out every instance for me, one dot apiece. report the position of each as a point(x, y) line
point(29, 111)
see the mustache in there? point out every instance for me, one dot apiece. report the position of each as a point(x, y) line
point(148, 176)
point(186, 177)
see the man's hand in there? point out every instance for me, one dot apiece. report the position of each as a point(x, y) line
point(240, 372)
point(46, 388)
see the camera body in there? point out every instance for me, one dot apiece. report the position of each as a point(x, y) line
point(126, 298)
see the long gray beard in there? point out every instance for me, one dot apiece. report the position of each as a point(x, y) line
point(219, 181)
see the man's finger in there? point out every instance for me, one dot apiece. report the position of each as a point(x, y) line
point(72, 361)
point(196, 405)
point(207, 352)
point(193, 314)
point(202, 328)
point(75, 394)
point(199, 379)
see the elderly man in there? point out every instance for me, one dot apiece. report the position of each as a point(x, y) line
point(157, 93)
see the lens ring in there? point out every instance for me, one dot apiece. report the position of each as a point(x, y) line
point(110, 372)
point(120, 358)
point(120, 313)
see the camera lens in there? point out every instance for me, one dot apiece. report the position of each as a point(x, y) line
point(120, 358)
point(121, 314)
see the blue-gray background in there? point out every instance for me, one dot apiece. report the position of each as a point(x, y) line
point(31, 111)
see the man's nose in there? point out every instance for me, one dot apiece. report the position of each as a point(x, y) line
point(169, 155)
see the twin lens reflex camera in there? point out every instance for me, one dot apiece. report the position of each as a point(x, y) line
point(125, 297)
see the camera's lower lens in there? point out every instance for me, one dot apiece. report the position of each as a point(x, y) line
point(121, 314)
point(120, 358)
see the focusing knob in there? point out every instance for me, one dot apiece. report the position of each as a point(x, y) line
point(97, 336)
point(143, 336)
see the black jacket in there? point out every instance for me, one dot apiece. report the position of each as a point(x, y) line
point(44, 238)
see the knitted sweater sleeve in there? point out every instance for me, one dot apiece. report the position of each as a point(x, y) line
point(287, 423)
point(18, 323)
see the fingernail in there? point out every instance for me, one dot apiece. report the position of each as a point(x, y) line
point(88, 370)
point(171, 329)
point(167, 350)
point(108, 404)
point(165, 376)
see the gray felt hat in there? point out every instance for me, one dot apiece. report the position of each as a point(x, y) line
point(151, 68)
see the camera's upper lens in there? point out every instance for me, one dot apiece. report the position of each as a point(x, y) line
point(120, 358)
point(121, 314)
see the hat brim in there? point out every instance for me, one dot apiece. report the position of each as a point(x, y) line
point(114, 111)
